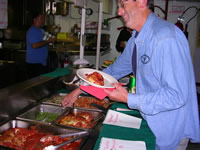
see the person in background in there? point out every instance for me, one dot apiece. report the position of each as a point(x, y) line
point(37, 47)
point(158, 55)
point(122, 39)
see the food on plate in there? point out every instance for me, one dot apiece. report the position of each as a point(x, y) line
point(29, 139)
point(80, 120)
point(85, 101)
point(95, 78)
point(46, 116)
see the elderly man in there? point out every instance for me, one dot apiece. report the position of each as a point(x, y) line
point(158, 54)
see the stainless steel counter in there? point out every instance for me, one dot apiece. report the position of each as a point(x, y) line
point(19, 98)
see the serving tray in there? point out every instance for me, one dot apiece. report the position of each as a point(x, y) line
point(48, 129)
point(84, 102)
point(42, 113)
point(55, 99)
point(70, 122)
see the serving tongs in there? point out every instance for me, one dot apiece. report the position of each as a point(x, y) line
point(104, 110)
point(64, 135)
point(54, 147)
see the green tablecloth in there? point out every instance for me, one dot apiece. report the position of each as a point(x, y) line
point(142, 134)
point(57, 73)
point(63, 91)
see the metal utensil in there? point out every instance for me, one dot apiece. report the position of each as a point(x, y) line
point(54, 147)
point(104, 110)
point(72, 82)
point(75, 80)
point(63, 135)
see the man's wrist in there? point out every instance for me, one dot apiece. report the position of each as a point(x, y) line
point(78, 91)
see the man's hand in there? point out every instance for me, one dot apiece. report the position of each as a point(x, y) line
point(51, 39)
point(43, 43)
point(70, 98)
point(120, 94)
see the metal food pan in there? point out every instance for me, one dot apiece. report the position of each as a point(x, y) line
point(55, 99)
point(55, 130)
point(97, 116)
point(87, 104)
point(44, 113)
point(40, 127)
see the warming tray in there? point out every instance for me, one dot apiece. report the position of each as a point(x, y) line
point(79, 118)
point(3, 118)
point(43, 113)
point(83, 102)
point(47, 129)
point(55, 99)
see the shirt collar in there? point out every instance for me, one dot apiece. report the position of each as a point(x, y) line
point(145, 28)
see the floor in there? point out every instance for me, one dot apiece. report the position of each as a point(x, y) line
point(193, 146)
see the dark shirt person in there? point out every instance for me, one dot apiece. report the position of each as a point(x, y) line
point(37, 47)
point(122, 39)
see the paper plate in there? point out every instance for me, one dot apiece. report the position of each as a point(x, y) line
point(108, 80)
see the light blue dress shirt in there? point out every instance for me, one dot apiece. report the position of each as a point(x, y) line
point(165, 84)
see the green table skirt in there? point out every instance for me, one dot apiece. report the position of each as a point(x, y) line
point(142, 134)
point(57, 73)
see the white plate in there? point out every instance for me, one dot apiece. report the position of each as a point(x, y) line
point(108, 80)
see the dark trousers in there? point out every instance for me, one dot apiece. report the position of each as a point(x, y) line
point(34, 70)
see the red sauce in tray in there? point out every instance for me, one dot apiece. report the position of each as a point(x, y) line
point(29, 139)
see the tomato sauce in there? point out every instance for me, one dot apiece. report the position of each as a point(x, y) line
point(29, 139)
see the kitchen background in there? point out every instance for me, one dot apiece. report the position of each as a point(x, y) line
point(66, 18)
point(175, 9)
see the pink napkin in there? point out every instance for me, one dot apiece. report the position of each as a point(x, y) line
point(95, 91)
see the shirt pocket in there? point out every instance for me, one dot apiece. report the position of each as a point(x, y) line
point(145, 73)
